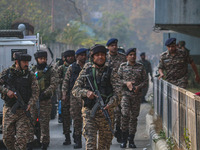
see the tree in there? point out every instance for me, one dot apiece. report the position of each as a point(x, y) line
point(6, 19)
point(72, 34)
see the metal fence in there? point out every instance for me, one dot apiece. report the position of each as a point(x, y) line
point(179, 110)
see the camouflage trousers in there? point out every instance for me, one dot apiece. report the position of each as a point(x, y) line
point(34, 114)
point(97, 126)
point(44, 118)
point(130, 111)
point(65, 111)
point(15, 129)
point(75, 112)
point(180, 83)
point(117, 113)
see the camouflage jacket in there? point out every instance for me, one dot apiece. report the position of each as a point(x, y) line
point(116, 60)
point(34, 86)
point(66, 81)
point(47, 81)
point(135, 73)
point(62, 71)
point(79, 90)
point(175, 67)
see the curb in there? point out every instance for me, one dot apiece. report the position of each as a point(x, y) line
point(150, 128)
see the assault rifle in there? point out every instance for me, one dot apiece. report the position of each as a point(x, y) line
point(99, 104)
point(19, 103)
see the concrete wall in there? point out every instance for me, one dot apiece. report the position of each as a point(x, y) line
point(177, 11)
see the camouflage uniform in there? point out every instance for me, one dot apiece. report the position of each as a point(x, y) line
point(130, 102)
point(115, 62)
point(65, 105)
point(75, 103)
point(148, 69)
point(47, 84)
point(170, 64)
point(92, 125)
point(16, 126)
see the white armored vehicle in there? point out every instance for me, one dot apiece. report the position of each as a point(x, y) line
point(12, 41)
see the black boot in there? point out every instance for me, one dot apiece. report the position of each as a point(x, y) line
point(118, 134)
point(131, 141)
point(29, 146)
point(44, 146)
point(78, 142)
point(60, 120)
point(74, 136)
point(124, 139)
point(67, 139)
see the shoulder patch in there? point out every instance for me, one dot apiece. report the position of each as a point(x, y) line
point(164, 53)
point(139, 63)
point(120, 53)
point(123, 64)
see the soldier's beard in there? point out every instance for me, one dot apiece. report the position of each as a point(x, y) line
point(41, 66)
point(99, 65)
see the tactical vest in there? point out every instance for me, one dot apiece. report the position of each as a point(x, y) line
point(76, 69)
point(44, 79)
point(103, 84)
point(20, 83)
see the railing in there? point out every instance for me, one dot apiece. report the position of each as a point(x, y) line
point(179, 110)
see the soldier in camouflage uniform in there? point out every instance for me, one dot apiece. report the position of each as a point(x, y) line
point(181, 45)
point(102, 78)
point(47, 78)
point(116, 58)
point(65, 104)
point(16, 125)
point(133, 78)
point(59, 62)
point(147, 66)
point(75, 104)
point(175, 64)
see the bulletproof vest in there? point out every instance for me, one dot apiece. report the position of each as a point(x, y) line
point(76, 69)
point(103, 84)
point(20, 83)
point(44, 78)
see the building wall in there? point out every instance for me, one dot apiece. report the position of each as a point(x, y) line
point(177, 11)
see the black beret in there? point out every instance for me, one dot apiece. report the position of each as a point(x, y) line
point(81, 50)
point(170, 41)
point(142, 54)
point(69, 53)
point(40, 53)
point(113, 40)
point(22, 57)
point(98, 48)
point(130, 50)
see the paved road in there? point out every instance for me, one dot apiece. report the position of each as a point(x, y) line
point(141, 139)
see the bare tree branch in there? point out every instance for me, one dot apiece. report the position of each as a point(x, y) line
point(78, 11)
